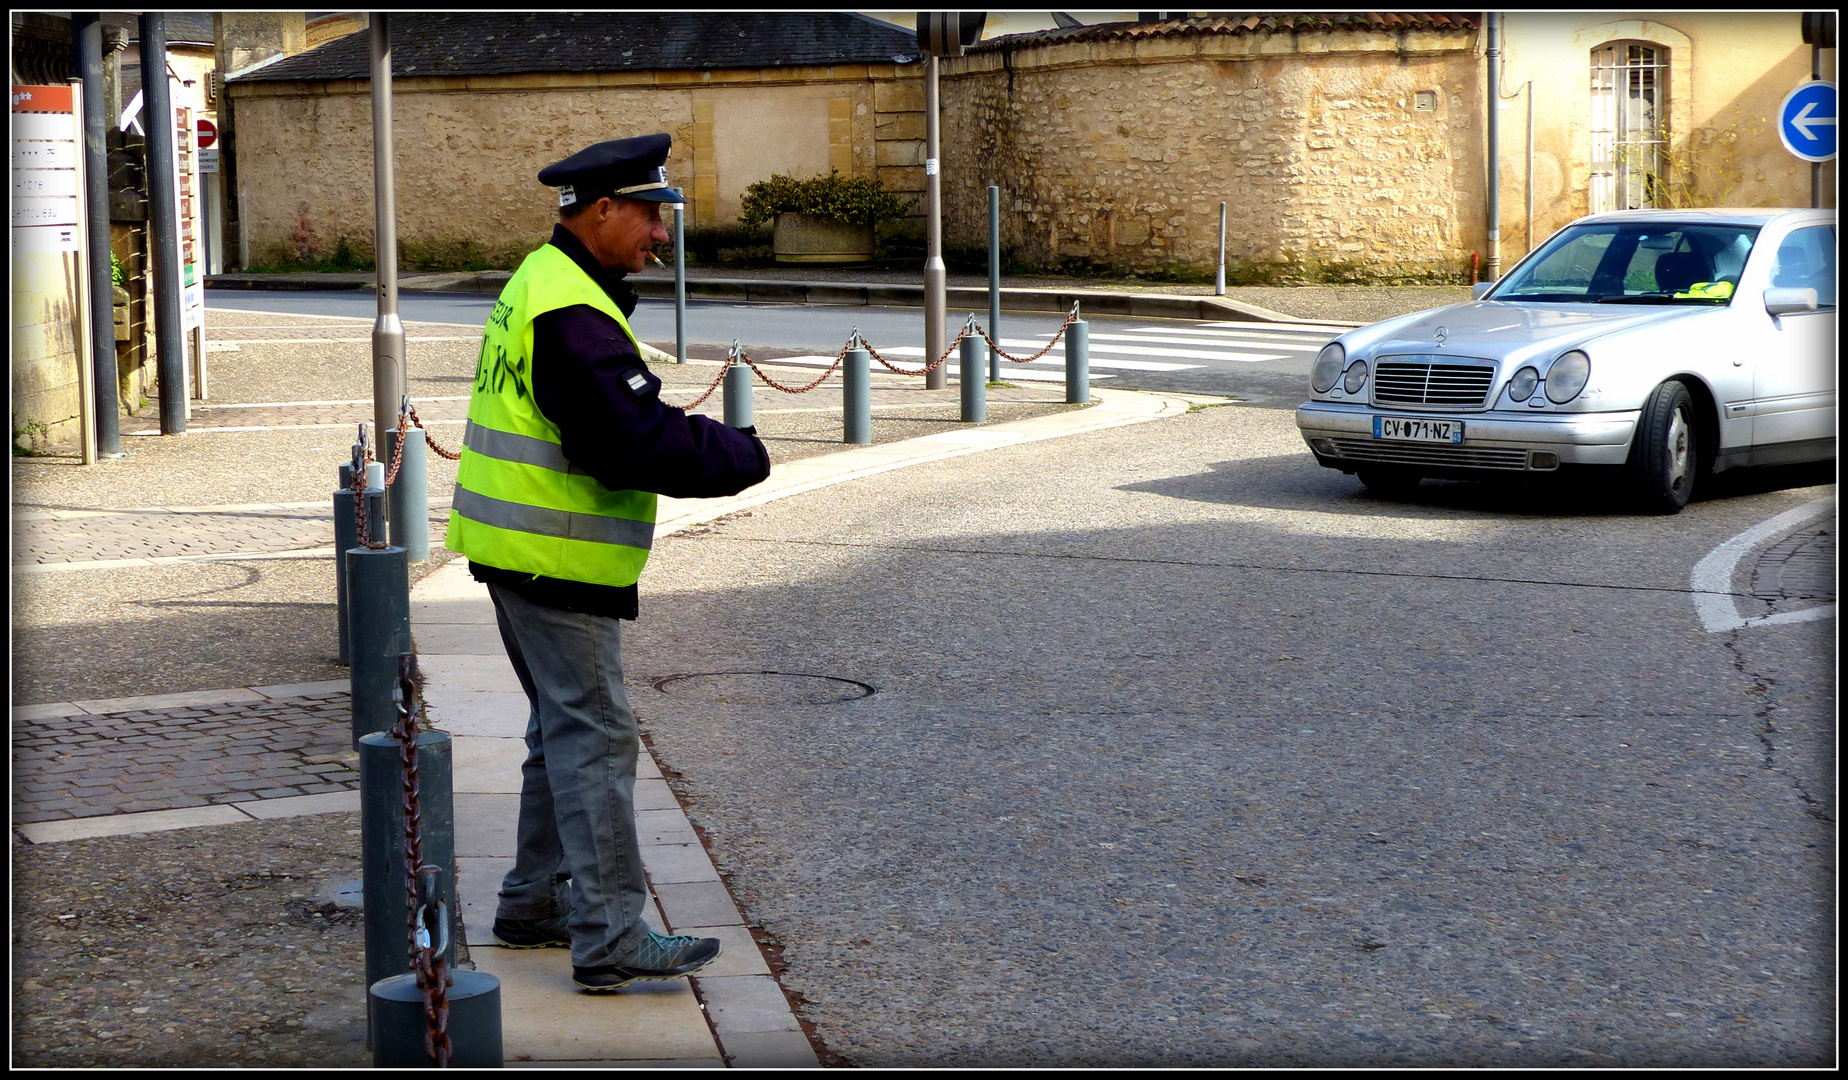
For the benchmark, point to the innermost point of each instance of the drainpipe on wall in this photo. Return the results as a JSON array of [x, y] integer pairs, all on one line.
[[1492, 266]]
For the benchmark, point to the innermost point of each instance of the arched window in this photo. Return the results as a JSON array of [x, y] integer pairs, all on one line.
[[1629, 124]]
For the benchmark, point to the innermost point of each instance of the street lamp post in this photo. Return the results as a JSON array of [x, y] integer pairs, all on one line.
[[935, 299]]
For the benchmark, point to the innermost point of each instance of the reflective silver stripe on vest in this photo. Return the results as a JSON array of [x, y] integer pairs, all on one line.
[[522, 449], [520, 517]]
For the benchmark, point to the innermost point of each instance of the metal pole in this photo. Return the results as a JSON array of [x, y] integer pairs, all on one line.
[[857, 395], [1492, 266], [1530, 165], [86, 272], [1077, 362], [409, 509], [379, 605], [680, 281], [87, 31], [169, 339], [935, 299], [388, 330], [346, 537], [974, 389], [1816, 166], [994, 279], [1219, 279]]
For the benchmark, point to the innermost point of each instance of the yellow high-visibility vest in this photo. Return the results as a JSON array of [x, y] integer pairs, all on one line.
[[519, 505]]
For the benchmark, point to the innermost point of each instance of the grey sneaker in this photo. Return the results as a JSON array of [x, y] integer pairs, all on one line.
[[661, 956], [552, 933]]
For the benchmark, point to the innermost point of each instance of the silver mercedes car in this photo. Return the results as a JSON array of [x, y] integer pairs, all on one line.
[[1648, 347]]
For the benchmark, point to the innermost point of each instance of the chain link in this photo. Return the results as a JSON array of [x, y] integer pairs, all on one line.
[[433, 976], [970, 327], [411, 410]]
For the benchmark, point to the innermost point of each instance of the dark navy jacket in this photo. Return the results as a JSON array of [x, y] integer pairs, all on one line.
[[583, 366]]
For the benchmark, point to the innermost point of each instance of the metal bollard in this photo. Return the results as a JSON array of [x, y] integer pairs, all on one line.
[[409, 506], [381, 829], [857, 395], [994, 279], [1077, 362], [398, 1025], [738, 396], [346, 535], [680, 281], [974, 380], [379, 603]]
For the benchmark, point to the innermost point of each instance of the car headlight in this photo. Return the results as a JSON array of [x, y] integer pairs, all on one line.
[[1327, 369], [1356, 377], [1567, 377], [1521, 387]]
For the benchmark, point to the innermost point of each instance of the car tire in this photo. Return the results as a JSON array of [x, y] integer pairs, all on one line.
[[1664, 454], [1386, 480]]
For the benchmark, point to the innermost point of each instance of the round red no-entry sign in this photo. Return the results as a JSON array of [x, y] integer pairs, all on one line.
[[208, 134]]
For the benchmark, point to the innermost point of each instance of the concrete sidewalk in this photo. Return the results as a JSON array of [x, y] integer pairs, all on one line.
[[735, 1012]]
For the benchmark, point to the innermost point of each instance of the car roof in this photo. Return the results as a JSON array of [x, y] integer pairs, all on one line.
[[1718, 215]]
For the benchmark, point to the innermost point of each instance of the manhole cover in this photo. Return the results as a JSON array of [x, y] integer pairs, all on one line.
[[762, 688]]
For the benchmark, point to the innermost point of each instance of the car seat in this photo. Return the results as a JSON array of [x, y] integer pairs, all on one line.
[[1677, 270]]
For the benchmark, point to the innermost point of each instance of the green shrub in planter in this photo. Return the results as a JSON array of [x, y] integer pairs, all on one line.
[[850, 200]]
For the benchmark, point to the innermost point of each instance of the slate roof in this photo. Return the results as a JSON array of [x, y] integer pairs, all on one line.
[[455, 44], [1239, 23], [183, 27]]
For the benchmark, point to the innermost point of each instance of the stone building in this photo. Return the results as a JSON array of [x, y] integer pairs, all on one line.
[[1353, 146], [1345, 146], [483, 101]]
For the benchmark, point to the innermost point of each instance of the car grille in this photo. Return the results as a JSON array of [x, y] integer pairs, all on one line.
[[1398, 453], [1411, 380]]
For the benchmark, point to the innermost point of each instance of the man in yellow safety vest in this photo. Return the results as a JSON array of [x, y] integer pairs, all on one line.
[[567, 445]]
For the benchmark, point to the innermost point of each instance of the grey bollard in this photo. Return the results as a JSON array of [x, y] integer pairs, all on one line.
[[381, 828], [1077, 362], [398, 1025], [409, 505], [738, 396], [379, 605], [346, 535], [974, 376], [857, 397], [994, 279]]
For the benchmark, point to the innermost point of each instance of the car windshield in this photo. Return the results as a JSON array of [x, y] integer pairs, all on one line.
[[1633, 262]]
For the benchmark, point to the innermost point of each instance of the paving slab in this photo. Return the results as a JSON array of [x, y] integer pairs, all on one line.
[[474, 712], [545, 1017], [486, 765], [769, 1050]]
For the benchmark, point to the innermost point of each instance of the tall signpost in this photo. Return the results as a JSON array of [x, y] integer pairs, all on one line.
[[1806, 122], [388, 331], [163, 214], [940, 33]]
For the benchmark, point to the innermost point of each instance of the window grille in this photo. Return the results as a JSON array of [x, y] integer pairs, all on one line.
[[1629, 109]]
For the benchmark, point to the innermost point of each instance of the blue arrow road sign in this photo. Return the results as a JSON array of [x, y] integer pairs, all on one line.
[[1806, 121]]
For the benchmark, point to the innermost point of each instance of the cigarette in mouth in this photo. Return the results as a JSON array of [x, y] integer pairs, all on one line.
[[657, 260]]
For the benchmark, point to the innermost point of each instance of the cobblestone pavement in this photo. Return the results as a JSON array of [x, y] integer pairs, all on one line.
[[1800, 567], [165, 759]]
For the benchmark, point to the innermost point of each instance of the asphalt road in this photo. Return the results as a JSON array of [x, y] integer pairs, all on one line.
[[1251, 361], [1187, 752]]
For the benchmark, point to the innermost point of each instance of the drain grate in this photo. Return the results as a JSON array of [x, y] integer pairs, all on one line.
[[762, 688]]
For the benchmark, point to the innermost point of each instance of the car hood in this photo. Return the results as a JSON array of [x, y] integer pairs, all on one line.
[[1496, 330]]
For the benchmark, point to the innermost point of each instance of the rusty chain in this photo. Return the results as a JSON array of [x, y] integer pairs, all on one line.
[[1011, 358], [411, 411], [362, 456], [421, 882]]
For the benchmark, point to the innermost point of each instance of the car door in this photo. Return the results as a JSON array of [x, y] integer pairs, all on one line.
[[1794, 377]]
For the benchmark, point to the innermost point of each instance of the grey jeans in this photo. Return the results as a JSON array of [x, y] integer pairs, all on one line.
[[577, 786]]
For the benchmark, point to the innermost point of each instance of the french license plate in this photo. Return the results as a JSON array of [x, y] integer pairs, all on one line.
[[1411, 429]]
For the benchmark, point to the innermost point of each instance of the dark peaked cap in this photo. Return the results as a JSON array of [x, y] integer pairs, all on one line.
[[631, 168]]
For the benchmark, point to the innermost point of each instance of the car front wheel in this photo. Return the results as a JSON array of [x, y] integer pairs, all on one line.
[[1664, 458]]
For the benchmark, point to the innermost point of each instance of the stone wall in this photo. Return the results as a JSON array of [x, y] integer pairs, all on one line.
[[469, 149], [1117, 154]]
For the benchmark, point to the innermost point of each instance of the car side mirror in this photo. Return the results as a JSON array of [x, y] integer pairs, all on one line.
[[1789, 301], [1477, 290]]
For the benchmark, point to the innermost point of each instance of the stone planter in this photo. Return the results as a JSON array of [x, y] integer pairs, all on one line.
[[804, 238]]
